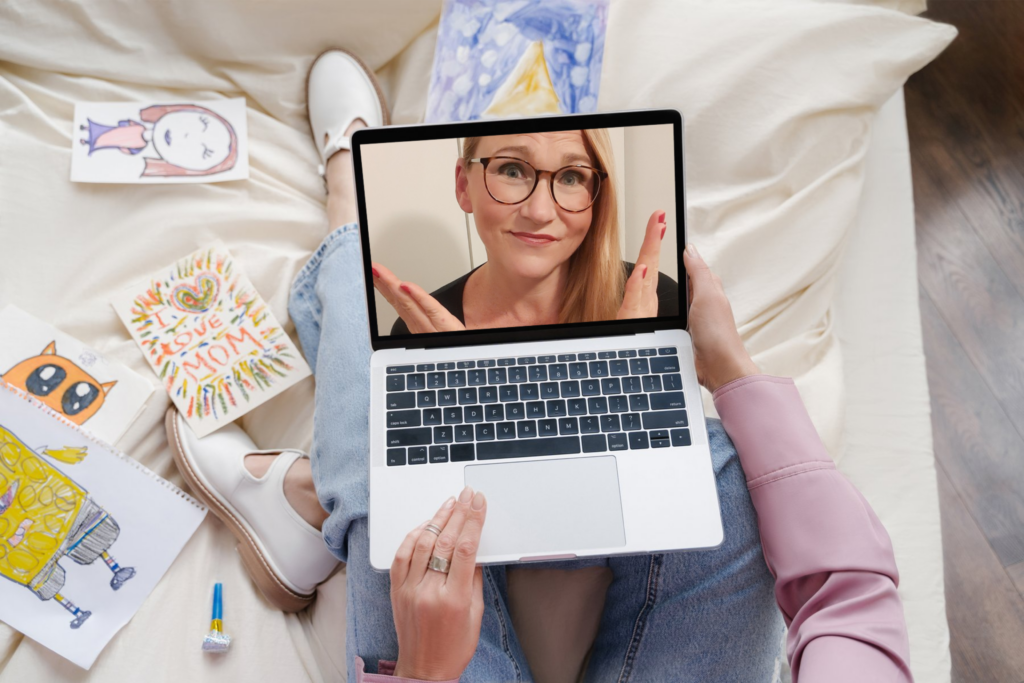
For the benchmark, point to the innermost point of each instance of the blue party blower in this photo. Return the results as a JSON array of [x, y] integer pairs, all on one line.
[[216, 640]]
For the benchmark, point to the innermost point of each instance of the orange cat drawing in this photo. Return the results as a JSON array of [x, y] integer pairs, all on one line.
[[60, 384]]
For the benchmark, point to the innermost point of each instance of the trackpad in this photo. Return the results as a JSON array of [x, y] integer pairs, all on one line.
[[549, 506]]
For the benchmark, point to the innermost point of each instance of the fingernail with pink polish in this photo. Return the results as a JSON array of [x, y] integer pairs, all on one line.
[[643, 275], [663, 232], [405, 288], [375, 272], [661, 217]]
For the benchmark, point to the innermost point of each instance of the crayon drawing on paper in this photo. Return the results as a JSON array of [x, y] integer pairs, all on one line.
[[501, 58]]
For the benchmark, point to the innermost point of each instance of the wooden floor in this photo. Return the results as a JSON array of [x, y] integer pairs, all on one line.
[[965, 115]]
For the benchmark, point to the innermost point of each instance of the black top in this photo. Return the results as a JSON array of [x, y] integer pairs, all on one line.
[[450, 296]]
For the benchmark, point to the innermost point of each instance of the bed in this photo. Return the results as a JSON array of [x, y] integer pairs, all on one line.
[[65, 248]]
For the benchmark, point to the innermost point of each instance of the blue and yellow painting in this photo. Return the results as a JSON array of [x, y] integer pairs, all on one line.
[[499, 58]]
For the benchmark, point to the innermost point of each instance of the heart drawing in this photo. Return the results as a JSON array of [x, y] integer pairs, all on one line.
[[198, 296]]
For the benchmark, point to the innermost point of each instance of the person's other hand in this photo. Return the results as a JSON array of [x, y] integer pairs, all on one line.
[[641, 297], [420, 311], [717, 347], [437, 616]]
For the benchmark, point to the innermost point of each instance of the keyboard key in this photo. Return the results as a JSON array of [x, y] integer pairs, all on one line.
[[627, 354], [618, 404], [403, 418], [494, 413], [639, 366], [556, 408], [652, 383], [505, 430], [659, 438], [527, 429], [396, 456], [515, 411], [416, 381], [618, 441], [647, 352], [680, 437], [673, 382], [396, 383], [591, 387], [665, 364], [587, 356], [590, 424], [577, 370], [462, 452], [418, 455], [570, 388], [509, 392], [419, 436], [438, 454], [558, 371], [606, 354], [457, 378], [452, 416], [547, 428], [517, 374], [594, 443], [665, 419], [489, 363], [425, 367], [426, 399], [562, 445], [566, 357], [599, 368], [473, 413], [463, 364], [545, 359], [538, 373], [549, 390], [611, 386], [431, 417], [631, 422], [568, 426], [667, 400], [399, 401], [526, 360], [631, 385], [446, 366], [638, 440], [399, 369], [435, 380], [485, 432], [502, 362], [535, 410], [443, 434], [597, 405], [463, 433], [496, 376], [667, 351], [577, 406], [488, 394], [529, 392], [477, 377], [610, 423], [619, 367], [638, 403], [467, 396], [447, 397]]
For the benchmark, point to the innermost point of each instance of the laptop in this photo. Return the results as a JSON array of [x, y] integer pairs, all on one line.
[[588, 438]]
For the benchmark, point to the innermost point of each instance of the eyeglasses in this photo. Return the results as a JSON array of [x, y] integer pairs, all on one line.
[[511, 181]]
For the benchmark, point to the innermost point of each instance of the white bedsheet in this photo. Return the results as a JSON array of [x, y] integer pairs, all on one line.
[[64, 248]]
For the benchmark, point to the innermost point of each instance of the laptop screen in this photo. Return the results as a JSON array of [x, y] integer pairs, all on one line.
[[521, 229]]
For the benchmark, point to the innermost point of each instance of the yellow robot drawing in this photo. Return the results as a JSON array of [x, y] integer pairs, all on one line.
[[45, 516]]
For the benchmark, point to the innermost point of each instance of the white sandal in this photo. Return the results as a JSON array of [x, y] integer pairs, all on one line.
[[340, 88]]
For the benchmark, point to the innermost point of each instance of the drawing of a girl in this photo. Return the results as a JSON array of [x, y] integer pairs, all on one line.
[[190, 140]]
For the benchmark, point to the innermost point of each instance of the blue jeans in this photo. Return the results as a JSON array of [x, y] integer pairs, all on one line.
[[690, 616]]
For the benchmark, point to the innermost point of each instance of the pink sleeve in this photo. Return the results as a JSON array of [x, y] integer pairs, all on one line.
[[385, 674], [835, 574]]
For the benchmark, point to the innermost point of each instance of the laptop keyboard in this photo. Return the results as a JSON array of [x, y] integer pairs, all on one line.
[[533, 406]]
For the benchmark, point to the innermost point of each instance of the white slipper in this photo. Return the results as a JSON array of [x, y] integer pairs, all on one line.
[[339, 90], [284, 555]]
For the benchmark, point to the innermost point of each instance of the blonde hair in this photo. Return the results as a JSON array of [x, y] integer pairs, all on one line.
[[597, 276]]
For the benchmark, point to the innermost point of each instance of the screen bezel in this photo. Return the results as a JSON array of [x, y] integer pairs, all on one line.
[[649, 117]]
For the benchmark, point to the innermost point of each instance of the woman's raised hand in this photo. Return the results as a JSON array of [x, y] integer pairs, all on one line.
[[641, 297], [420, 311], [437, 616]]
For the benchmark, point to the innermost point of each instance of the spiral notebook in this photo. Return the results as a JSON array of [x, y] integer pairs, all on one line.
[[86, 532]]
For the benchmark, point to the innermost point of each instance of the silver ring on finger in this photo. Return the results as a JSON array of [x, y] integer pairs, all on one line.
[[439, 564], [434, 529]]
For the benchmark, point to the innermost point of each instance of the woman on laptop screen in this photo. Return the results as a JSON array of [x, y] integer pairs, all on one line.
[[546, 211]]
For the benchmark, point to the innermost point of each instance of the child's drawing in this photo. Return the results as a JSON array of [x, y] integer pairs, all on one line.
[[45, 516], [60, 384], [210, 338], [196, 142], [500, 58]]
